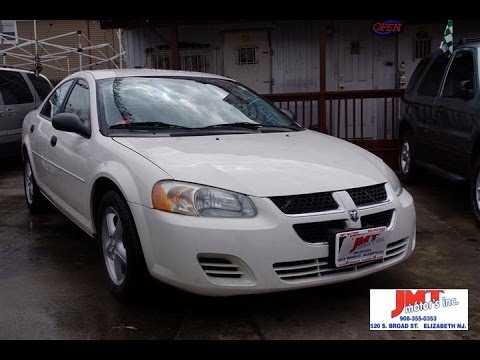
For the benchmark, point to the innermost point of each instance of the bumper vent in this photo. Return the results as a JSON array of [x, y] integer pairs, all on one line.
[[317, 231], [383, 218], [306, 203], [368, 195], [220, 268], [299, 271]]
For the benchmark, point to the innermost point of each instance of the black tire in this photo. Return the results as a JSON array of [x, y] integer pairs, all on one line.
[[474, 192], [36, 202], [408, 173], [125, 247]]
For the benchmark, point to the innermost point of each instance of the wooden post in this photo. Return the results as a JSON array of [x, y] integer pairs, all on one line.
[[174, 51], [322, 102]]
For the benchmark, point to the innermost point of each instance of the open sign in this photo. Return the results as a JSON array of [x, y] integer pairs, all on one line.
[[387, 27]]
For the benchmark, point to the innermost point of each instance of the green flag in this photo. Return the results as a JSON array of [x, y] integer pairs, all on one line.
[[447, 40]]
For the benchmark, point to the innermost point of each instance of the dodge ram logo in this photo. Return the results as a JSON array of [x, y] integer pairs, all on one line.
[[353, 215]]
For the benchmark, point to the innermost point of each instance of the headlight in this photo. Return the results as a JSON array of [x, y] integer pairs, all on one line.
[[393, 180], [197, 200]]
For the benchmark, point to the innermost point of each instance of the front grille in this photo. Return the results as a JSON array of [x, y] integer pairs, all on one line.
[[220, 268], [317, 231], [383, 218], [368, 195], [306, 203], [311, 269]]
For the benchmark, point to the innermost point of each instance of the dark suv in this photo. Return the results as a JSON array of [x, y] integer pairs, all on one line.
[[440, 119], [20, 92]]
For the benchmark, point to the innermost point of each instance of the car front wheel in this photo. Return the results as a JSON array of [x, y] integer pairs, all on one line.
[[123, 261], [475, 190], [35, 201], [408, 169]]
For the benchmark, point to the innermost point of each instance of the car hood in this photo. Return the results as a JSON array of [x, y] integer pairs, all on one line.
[[262, 164]]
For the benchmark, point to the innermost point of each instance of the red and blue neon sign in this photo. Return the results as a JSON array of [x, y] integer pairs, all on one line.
[[387, 27]]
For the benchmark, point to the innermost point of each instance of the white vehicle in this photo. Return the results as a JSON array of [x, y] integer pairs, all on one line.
[[203, 184]]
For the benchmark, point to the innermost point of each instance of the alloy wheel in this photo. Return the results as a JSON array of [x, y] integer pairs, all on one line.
[[477, 189], [114, 252], [405, 157], [28, 182]]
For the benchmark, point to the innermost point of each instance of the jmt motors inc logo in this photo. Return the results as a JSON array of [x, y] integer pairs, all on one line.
[[419, 309]]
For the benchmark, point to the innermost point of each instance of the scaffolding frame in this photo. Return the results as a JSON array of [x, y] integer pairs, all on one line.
[[52, 59]]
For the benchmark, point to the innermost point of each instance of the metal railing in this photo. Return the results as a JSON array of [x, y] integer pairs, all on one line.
[[350, 115], [367, 118]]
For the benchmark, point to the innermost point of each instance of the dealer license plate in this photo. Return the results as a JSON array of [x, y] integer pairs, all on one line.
[[359, 246]]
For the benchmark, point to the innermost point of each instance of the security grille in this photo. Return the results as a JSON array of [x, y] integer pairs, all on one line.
[[422, 48], [202, 59], [246, 56]]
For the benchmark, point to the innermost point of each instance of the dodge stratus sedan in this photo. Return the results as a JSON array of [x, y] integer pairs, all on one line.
[[201, 183]]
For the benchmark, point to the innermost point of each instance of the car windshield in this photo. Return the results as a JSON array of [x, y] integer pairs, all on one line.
[[185, 103]]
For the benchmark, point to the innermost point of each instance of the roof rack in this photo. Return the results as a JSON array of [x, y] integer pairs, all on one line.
[[469, 40]]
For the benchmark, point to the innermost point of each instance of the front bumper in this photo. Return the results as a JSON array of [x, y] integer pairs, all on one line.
[[179, 249]]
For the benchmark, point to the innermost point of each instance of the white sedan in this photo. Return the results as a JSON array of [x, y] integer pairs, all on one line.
[[201, 183]]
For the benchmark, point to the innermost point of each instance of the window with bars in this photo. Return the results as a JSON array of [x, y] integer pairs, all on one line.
[[191, 59], [246, 56], [194, 62], [8, 28], [422, 47]]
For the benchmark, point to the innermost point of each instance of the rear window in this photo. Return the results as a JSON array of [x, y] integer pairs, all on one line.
[[42, 86], [14, 88], [416, 75]]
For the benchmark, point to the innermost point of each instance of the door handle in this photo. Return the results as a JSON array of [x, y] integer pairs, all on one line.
[[53, 141], [439, 110], [9, 111], [415, 106]]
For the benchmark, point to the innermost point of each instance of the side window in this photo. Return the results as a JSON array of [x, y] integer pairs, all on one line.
[[461, 73], [416, 75], [14, 88], [433, 77], [41, 85], [54, 103], [79, 100]]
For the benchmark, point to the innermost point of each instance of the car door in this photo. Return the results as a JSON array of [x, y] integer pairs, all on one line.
[[454, 111], [71, 154], [41, 132], [426, 129], [17, 102]]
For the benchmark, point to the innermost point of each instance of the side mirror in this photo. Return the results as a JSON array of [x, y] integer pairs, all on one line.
[[71, 122], [466, 89], [289, 113]]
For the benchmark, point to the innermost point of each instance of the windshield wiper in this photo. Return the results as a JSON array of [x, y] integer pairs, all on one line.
[[249, 125], [147, 125]]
